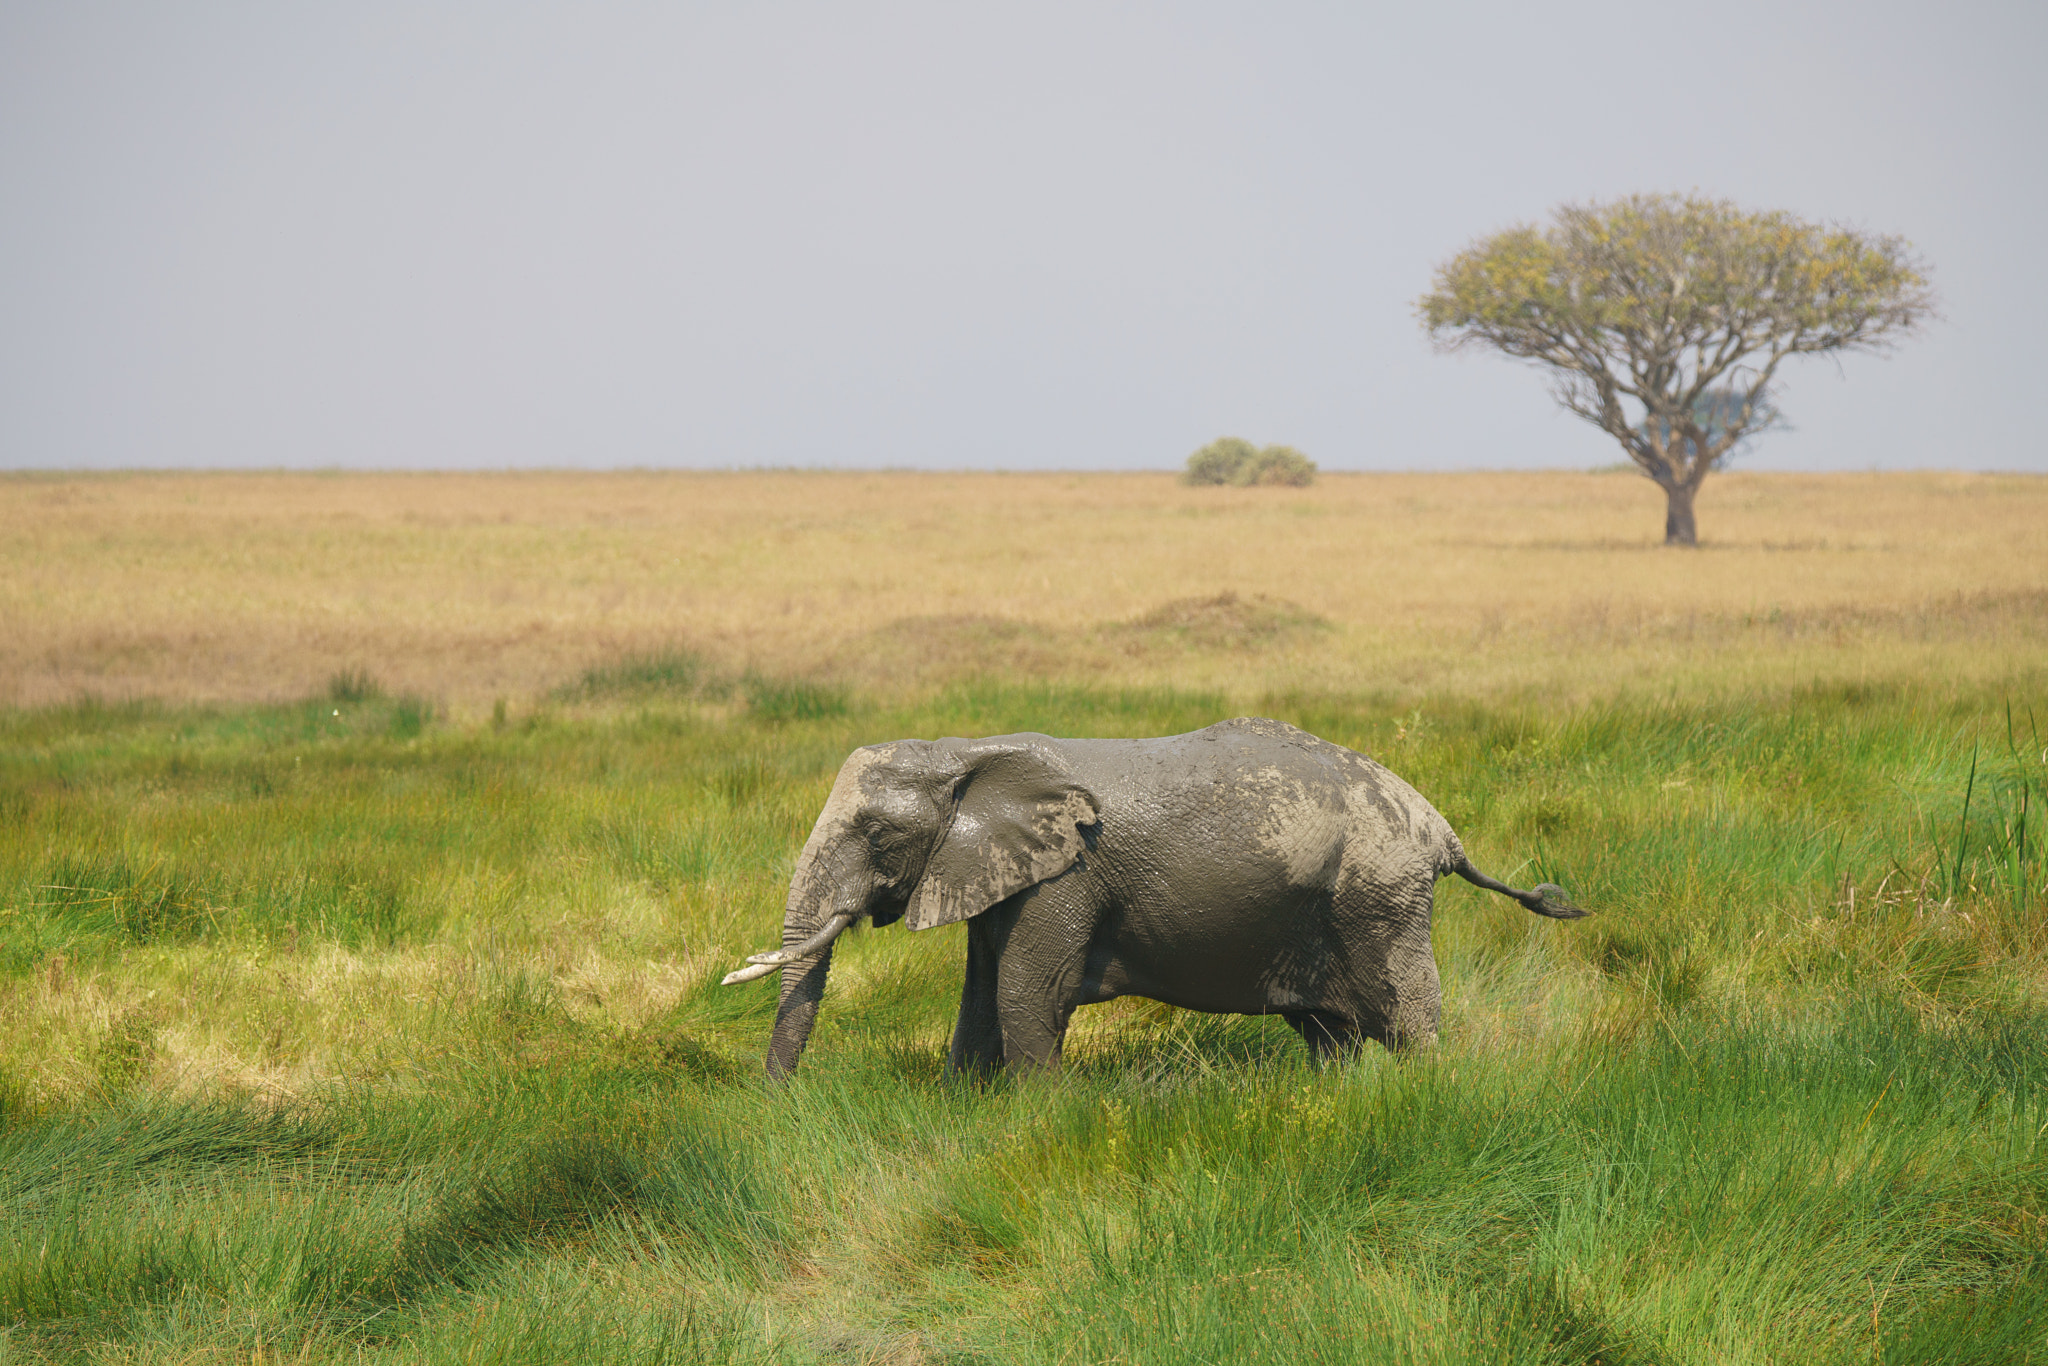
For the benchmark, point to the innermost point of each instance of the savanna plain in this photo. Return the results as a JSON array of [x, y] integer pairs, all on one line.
[[371, 847]]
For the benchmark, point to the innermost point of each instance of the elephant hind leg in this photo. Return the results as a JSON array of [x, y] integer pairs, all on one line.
[[1415, 995], [1327, 1034], [1404, 1041]]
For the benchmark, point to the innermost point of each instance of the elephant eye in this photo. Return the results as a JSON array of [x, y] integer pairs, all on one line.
[[888, 849]]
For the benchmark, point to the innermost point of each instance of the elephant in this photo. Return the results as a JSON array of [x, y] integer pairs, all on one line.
[[1248, 868]]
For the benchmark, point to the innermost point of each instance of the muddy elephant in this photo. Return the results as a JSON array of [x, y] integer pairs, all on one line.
[[1249, 868]]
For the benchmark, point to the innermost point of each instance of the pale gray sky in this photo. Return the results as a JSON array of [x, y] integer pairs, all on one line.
[[944, 235]]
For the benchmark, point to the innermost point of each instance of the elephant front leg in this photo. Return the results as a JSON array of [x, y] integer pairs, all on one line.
[[1034, 1024], [1039, 966], [978, 1036]]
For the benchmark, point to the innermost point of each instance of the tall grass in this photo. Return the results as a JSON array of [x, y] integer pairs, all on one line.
[[329, 1032]]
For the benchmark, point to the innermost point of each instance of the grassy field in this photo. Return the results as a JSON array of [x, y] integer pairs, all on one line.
[[466, 589], [359, 946]]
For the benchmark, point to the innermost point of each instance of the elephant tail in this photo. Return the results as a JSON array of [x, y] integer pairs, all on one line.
[[1545, 898]]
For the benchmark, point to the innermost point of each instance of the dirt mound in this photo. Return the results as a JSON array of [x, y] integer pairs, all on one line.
[[1224, 622]]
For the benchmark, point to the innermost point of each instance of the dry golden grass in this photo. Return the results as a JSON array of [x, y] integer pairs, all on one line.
[[472, 587]]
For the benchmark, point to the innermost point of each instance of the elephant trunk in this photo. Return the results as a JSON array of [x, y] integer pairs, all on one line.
[[805, 960], [803, 986], [828, 892]]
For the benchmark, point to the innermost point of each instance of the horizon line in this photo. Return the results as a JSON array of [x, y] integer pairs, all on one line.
[[331, 471]]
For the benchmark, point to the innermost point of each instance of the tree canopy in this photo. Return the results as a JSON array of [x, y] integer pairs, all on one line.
[[1664, 318]]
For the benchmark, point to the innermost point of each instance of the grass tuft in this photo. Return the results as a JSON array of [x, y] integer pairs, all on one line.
[[673, 672], [354, 685], [778, 700]]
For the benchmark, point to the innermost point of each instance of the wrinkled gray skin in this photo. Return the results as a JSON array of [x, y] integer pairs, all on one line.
[[1248, 868]]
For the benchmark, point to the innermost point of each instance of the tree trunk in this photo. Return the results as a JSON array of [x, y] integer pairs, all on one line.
[[1678, 523]]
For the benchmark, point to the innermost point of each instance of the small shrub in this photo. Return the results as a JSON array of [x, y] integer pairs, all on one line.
[[1233, 460], [1222, 461], [1281, 465]]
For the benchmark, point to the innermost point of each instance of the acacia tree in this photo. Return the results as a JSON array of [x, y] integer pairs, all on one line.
[[1664, 318]]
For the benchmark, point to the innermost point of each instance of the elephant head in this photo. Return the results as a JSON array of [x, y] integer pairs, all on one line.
[[924, 831]]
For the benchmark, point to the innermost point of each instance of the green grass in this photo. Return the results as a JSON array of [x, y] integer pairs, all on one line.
[[334, 1031]]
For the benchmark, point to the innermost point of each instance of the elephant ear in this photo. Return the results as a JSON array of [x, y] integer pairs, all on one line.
[[1017, 820]]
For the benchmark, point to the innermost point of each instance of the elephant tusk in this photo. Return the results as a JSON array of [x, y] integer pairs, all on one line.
[[765, 963], [810, 946]]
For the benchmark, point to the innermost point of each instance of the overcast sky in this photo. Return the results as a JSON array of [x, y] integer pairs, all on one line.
[[949, 235]]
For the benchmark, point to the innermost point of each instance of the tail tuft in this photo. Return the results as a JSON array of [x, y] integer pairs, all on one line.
[[1547, 898]]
